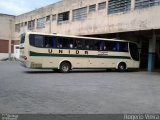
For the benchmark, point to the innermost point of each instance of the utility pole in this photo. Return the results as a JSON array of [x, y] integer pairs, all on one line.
[[10, 40]]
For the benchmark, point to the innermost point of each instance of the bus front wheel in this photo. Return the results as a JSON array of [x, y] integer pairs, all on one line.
[[121, 67], [65, 67]]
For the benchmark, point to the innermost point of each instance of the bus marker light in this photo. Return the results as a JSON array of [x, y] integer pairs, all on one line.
[[25, 58]]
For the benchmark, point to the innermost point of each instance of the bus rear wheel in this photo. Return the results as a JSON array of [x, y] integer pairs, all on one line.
[[65, 67], [121, 67]]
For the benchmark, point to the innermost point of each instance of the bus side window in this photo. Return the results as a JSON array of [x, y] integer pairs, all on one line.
[[54, 42], [48, 41], [39, 41], [78, 44], [71, 46], [92, 45], [47, 45], [64, 42], [114, 46], [110, 46], [71, 43], [117, 47], [59, 42], [124, 47], [87, 45], [32, 40], [96, 45], [106, 46], [102, 46]]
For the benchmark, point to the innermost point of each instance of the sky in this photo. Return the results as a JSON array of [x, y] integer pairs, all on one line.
[[17, 7]]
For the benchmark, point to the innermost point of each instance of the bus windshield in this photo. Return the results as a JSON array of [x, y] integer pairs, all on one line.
[[134, 51]]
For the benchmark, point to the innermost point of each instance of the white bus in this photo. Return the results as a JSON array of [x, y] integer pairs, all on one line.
[[64, 52]]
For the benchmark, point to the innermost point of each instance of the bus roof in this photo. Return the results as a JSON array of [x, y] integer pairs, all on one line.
[[74, 36]]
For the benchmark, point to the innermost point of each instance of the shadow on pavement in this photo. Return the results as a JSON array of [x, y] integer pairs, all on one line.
[[77, 71]]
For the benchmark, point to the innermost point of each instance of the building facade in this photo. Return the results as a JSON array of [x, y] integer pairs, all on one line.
[[135, 20], [6, 34]]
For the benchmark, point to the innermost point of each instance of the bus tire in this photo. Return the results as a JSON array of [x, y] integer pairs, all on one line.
[[122, 67], [65, 67]]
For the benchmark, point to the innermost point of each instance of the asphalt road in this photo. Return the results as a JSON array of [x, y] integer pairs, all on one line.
[[44, 91]]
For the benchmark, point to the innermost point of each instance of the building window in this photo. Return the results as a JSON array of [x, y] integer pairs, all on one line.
[[101, 5], [92, 8], [22, 24], [115, 6], [31, 24], [80, 14], [63, 17], [41, 23], [25, 24], [48, 18], [139, 4], [54, 17], [17, 27]]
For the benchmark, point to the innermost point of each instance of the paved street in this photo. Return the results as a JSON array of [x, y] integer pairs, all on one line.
[[44, 91]]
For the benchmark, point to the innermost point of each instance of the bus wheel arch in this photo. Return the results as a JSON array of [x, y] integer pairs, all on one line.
[[65, 66], [122, 66]]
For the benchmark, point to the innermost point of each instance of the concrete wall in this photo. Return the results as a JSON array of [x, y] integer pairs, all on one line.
[[6, 34], [7, 27], [98, 22]]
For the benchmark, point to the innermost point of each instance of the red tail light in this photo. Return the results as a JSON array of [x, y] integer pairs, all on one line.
[[25, 58]]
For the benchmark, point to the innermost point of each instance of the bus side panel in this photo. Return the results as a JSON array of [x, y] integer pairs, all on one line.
[[56, 61]]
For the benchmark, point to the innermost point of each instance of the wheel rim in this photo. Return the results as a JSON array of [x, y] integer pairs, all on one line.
[[65, 68], [121, 67]]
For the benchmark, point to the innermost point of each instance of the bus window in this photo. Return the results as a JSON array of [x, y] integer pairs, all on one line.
[[124, 47], [39, 41], [59, 42], [36, 40], [31, 40], [96, 45], [48, 41], [102, 45], [92, 45], [110, 45], [87, 45], [65, 43], [78, 44], [54, 42], [121, 47], [71, 43], [117, 47]]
